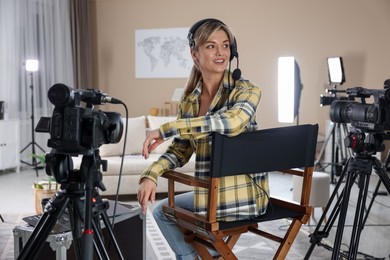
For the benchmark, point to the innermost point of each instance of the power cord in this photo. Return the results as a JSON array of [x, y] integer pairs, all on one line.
[[121, 166]]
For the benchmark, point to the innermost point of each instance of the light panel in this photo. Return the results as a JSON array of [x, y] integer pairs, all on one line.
[[32, 65], [286, 89], [336, 70]]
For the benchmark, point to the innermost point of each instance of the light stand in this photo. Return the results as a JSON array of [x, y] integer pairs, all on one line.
[[339, 131], [32, 66]]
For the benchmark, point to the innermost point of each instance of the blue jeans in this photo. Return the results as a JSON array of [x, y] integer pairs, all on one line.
[[171, 231]]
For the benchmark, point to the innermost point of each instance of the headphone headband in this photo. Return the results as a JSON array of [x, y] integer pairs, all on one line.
[[191, 32]]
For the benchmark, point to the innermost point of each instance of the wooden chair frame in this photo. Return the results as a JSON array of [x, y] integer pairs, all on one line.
[[287, 149]]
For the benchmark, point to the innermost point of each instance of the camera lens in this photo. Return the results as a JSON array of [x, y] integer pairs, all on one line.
[[60, 95], [349, 111]]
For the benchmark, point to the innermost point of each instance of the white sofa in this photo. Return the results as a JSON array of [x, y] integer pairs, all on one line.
[[134, 163]]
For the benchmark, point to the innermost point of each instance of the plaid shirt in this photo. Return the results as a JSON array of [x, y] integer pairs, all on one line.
[[232, 112]]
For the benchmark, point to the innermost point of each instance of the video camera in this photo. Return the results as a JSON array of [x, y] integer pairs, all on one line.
[[79, 130], [368, 117]]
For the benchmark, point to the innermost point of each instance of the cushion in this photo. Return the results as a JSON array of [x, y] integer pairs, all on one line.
[[155, 122], [136, 134]]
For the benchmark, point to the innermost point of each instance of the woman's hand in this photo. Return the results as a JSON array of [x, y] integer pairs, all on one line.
[[146, 192], [152, 140]]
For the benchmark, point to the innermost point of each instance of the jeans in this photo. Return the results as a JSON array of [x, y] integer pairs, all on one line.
[[171, 231]]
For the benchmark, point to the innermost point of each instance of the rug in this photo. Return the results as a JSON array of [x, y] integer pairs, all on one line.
[[156, 246], [6, 235], [248, 247]]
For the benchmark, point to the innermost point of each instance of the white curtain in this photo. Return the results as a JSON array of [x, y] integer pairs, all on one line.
[[33, 29]]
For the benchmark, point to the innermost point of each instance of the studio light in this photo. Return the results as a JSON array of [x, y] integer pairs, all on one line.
[[289, 89], [32, 65], [336, 70]]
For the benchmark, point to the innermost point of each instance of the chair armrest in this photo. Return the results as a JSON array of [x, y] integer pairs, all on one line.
[[190, 220], [290, 205], [186, 179]]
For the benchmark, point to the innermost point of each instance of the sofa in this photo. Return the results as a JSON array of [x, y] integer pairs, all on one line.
[[134, 163]]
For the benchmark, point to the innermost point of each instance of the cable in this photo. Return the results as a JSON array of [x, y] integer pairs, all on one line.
[[121, 166], [264, 191]]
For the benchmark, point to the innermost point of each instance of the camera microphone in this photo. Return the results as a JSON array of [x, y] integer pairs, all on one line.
[[111, 100], [62, 95], [97, 97]]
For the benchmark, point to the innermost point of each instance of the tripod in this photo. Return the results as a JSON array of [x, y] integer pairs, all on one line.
[[70, 197], [359, 166], [34, 162], [339, 152]]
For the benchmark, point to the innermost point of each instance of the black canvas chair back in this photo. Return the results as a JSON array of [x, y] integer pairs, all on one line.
[[290, 150]]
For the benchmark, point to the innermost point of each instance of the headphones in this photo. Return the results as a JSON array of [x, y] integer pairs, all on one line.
[[191, 41]]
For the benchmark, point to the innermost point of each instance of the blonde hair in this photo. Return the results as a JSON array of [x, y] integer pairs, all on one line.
[[200, 36]]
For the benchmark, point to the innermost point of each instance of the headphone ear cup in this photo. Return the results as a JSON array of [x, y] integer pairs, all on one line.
[[192, 44], [233, 49]]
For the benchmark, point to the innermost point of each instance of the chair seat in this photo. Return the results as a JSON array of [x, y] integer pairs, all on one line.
[[273, 212]]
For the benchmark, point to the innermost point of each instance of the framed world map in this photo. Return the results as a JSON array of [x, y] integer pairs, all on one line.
[[162, 53]]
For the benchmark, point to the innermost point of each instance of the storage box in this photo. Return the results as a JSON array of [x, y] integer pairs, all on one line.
[[129, 230], [55, 248]]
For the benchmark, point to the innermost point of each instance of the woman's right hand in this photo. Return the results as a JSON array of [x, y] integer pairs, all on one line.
[[152, 140], [146, 192]]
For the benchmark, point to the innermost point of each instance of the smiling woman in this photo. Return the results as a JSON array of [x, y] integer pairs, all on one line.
[[215, 100]]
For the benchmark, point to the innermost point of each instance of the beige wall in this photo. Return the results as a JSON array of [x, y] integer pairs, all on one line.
[[357, 30]]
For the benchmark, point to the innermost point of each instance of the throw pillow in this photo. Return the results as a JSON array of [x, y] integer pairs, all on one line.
[[136, 134], [156, 122]]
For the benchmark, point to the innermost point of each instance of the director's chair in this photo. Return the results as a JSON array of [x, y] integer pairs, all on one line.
[[287, 149]]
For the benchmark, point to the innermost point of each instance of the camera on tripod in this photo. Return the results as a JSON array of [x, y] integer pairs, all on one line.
[[367, 117], [79, 130]]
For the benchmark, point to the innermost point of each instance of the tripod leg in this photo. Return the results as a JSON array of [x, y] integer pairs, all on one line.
[[88, 230], [111, 233], [364, 182], [98, 242], [75, 218], [343, 213], [317, 235], [375, 193], [382, 174], [54, 210]]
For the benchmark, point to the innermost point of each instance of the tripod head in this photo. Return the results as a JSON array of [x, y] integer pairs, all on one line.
[[60, 166], [366, 144]]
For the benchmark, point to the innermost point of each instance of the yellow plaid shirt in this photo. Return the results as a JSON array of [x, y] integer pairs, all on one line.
[[232, 112]]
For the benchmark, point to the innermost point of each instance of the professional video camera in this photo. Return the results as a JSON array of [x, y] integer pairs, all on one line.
[[77, 130], [367, 117]]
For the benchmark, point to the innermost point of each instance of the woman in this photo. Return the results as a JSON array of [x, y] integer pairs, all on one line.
[[214, 101]]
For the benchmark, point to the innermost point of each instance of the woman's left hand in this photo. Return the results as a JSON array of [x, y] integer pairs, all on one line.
[[153, 139]]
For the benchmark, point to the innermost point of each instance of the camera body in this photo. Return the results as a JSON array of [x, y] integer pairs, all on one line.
[[75, 129], [367, 117]]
